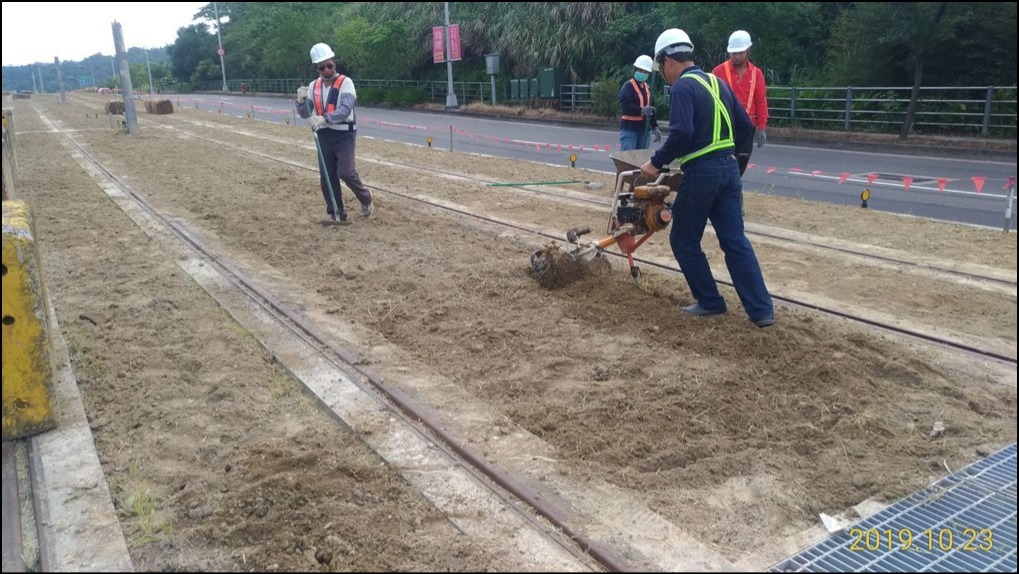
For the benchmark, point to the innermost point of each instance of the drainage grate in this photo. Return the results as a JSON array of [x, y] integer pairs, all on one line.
[[964, 523]]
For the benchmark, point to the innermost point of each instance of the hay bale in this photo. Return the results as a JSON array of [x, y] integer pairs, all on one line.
[[159, 107], [115, 108]]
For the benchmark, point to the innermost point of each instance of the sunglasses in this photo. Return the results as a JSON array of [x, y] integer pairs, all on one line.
[[324, 67]]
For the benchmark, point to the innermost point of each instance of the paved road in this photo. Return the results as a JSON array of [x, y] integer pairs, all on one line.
[[808, 172]]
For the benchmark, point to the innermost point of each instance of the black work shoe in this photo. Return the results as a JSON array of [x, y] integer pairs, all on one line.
[[764, 323], [699, 311]]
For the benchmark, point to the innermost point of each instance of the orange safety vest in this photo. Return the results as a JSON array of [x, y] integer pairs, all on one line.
[[752, 70], [330, 106], [643, 97]]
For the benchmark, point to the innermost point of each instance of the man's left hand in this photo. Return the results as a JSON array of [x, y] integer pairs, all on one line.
[[762, 138], [658, 135], [650, 172], [316, 122]]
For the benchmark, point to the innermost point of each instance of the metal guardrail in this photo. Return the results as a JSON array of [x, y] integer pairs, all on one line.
[[985, 111]]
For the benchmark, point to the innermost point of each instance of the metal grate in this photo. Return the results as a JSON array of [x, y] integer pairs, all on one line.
[[963, 523]]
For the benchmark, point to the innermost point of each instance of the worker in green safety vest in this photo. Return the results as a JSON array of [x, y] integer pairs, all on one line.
[[705, 127]]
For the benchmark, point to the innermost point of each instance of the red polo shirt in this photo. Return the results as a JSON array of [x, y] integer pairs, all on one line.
[[752, 81]]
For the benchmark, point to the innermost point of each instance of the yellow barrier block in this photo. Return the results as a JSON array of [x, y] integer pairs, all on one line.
[[27, 369]]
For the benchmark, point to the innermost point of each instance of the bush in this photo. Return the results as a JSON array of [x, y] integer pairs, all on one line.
[[371, 96], [605, 97], [407, 97]]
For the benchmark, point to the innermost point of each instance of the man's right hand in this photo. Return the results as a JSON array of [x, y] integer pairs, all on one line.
[[302, 94], [647, 111]]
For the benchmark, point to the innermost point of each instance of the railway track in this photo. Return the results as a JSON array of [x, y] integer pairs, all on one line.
[[673, 269], [607, 557], [596, 202]]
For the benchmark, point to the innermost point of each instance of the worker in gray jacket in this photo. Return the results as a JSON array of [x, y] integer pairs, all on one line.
[[331, 116]]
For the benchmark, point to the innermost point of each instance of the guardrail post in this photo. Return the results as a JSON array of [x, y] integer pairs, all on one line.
[[849, 107], [792, 104], [1009, 210], [986, 129]]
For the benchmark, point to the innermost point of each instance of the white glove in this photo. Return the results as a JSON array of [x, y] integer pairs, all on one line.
[[762, 138], [302, 94], [647, 111], [658, 135], [316, 122]]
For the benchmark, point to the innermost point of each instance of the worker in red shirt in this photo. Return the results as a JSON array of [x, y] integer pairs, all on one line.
[[747, 83]]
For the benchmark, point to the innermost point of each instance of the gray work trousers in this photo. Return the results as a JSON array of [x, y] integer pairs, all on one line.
[[338, 149]]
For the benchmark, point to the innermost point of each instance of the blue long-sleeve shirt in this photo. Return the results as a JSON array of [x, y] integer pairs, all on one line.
[[629, 101], [692, 121]]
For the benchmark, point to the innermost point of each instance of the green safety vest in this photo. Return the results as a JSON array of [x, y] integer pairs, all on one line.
[[721, 113]]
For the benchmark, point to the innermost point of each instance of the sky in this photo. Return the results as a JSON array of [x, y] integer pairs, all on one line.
[[40, 31]]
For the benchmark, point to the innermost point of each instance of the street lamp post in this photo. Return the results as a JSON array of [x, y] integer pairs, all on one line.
[[451, 102], [222, 62], [149, 66]]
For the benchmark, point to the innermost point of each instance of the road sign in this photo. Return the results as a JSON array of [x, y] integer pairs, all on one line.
[[220, 52]]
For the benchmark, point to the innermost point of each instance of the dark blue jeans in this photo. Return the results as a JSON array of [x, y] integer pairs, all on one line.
[[711, 190], [629, 140], [339, 149]]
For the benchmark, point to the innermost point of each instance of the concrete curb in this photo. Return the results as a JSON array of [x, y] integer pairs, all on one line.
[[77, 520]]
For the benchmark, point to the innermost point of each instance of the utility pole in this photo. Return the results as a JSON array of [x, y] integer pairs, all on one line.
[[60, 80], [222, 62], [113, 66], [35, 86], [149, 66], [130, 114], [42, 84], [451, 102]]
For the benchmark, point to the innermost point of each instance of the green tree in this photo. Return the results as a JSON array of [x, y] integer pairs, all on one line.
[[194, 45], [376, 50], [897, 35]]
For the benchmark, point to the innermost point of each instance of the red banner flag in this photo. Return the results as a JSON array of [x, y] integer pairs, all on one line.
[[438, 47], [871, 178], [979, 183], [844, 177], [908, 182], [772, 170], [816, 173], [751, 166], [1009, 183], [942, 184], [455, 55], [795, 169]]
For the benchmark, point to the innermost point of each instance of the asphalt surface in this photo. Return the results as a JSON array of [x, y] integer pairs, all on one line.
[[809, 171]]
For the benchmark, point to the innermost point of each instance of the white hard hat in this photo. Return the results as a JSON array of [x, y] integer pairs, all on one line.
[[739, 41], [321, 53], [671, 41], [644, 63]]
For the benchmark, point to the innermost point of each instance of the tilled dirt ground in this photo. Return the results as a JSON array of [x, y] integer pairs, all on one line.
[[215, 458], [736, 435]]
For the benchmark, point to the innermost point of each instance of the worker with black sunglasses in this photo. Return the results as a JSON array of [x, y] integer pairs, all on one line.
[[330, 113]]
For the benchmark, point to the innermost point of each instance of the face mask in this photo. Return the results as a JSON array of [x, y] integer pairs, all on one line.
[[640, 77]]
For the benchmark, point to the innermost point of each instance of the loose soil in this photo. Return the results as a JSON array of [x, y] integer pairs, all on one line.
[[215, 458], [736, 435]]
